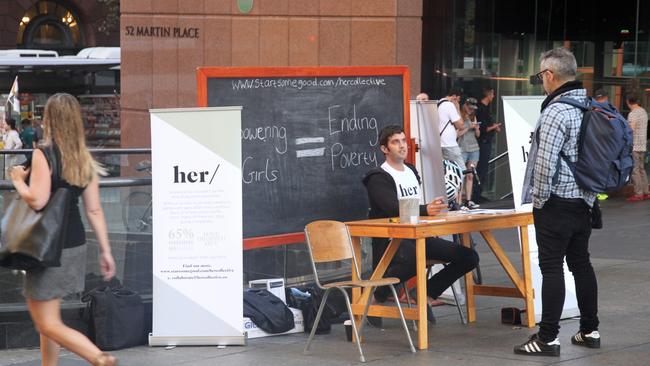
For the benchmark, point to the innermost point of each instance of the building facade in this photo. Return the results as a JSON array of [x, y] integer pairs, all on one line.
[[159, 66]]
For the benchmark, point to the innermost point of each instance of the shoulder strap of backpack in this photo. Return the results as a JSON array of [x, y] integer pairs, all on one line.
[[584, 108], [448, 122], [574, 103], [569, 163], [444, 128]]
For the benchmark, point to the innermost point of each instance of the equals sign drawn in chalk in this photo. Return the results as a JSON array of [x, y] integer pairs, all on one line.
[[306, 153]]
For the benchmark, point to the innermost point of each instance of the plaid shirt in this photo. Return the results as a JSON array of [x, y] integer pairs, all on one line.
[[559, 126]]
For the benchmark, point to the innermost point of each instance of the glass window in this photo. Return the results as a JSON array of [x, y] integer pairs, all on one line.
[[49, 25], [48, 34]]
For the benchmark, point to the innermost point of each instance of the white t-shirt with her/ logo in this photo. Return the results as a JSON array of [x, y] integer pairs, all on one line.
[[447, 112], [405, 181]]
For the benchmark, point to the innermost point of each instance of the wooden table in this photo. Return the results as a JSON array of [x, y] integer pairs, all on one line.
[[445, 224]]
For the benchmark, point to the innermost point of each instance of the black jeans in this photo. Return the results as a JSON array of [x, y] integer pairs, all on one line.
[[562, 229], [460, 261]]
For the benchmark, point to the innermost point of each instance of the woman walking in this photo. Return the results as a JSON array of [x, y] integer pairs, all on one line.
[[44, 288]]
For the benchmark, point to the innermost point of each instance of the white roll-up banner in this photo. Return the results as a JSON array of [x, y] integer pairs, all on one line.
[[521, 114], [424, 129], [197, 226]]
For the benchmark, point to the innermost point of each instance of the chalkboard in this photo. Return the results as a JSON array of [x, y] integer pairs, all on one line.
[[309, 135]]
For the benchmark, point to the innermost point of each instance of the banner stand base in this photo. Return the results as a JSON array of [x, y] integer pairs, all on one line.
[[163, 341]]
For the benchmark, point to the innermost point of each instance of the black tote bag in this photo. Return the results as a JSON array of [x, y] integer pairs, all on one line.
[[115, 317], [34, 239]]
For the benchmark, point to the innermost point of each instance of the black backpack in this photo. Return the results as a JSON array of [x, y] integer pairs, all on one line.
[[309, 307], [267, 311]]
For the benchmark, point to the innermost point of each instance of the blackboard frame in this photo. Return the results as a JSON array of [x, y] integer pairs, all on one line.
[[205, 73]]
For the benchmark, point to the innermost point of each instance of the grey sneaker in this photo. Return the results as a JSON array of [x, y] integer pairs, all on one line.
[[590, 340]]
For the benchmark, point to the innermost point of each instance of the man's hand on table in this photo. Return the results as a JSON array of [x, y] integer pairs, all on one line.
[[436, 206]]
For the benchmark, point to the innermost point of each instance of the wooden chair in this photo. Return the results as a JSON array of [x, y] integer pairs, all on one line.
[[329, 241]]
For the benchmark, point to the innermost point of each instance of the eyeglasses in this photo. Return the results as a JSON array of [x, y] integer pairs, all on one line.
[[537, 78]]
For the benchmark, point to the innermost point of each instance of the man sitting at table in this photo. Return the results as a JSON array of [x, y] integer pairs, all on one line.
[[395, 179]]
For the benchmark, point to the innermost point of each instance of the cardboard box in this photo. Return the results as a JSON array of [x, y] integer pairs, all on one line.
[[273, 285], [253, 331]]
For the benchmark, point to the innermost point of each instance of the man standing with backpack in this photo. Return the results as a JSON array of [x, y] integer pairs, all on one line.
[[638, 118], [561, 208]]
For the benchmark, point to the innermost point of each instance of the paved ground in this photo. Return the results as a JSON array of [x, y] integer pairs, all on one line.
[[621, 257]]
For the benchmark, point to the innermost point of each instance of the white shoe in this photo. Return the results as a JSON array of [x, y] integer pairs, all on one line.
[[471, 205]]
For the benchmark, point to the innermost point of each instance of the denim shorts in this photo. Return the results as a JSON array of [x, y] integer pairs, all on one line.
[[471, 156]]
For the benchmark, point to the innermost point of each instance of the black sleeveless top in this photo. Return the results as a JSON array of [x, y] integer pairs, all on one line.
[[75, 234]]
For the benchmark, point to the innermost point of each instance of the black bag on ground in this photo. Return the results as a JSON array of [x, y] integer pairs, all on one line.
[[309, 307], [511, 316], [115, 317], [267, 311]]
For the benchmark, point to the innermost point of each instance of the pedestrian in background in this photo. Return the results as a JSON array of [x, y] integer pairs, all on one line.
[[469, 146], [11, 141], [27, 134], [489, 128], [78, 172], [638, 119], [11, 138], [601, 96], [449, 121], [38, 131]]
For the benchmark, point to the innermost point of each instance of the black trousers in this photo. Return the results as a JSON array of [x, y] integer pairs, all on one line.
[[562, 229], [485, 154], [403, 266]]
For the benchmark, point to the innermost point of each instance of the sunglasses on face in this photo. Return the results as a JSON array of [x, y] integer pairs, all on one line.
[[537, 78]]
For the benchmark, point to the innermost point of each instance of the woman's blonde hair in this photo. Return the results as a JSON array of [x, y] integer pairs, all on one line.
[[64, 127]]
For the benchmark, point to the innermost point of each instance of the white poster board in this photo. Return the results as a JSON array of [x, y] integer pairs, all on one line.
[[428, 162], [197, 226], [520, 114], [428, 157]]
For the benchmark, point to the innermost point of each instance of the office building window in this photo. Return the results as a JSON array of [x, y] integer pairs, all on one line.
[[50, 25]]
